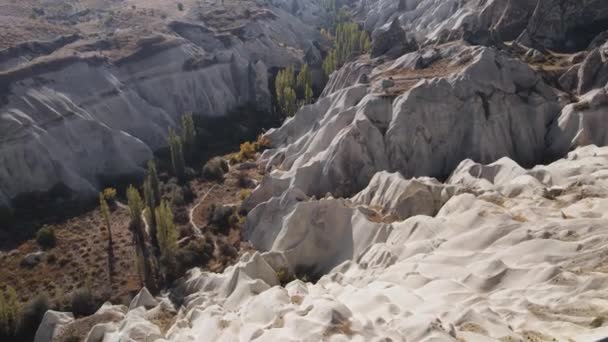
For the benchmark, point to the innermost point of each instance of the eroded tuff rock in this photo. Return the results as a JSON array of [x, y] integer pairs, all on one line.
[[553, 24], [83, 108], [446, 104], [444, 278]]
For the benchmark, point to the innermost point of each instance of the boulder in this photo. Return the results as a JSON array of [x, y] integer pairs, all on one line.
[[32, 259], [143, 299], [52, 325], [391, 40], [580, 124]]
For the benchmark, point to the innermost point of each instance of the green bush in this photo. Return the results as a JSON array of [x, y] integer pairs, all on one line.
[[215, 169], [32, 315], [46, 237], [196, 253], [83, 303], [219, 218]]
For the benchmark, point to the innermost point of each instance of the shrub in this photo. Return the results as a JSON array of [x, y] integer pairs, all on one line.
[[197, 252], [284, 276], [248, 150], [46, 237], [242, 181], [32, 314], [219, 217], [109, 194], [83, 303], [180, 6], [244, 194], [51, 259], [215, 169]]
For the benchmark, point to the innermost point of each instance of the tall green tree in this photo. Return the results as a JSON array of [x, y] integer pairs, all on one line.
[[136, 206], [9, 313], [167, 236], [350, 41], [152, 198], [177, 156], [304, 80], [105, 213], [308, 95], [145, 261], [154, 184], [188, 135]]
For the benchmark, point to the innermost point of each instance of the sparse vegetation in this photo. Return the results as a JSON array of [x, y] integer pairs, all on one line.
[[46, 237]]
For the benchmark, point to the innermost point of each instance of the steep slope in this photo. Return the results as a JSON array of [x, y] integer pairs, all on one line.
[[97, 105]]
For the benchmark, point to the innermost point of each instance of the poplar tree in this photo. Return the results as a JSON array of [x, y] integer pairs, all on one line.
[[167, 236], [177, 156], [9, 312], [188, 135], [105, 213], [136, 206]]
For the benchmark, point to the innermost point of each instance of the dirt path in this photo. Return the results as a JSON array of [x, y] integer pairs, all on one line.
[[197, 229]]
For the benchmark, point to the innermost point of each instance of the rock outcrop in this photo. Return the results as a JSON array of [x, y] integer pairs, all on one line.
[[445, 277], [554, 24], [445, 105]]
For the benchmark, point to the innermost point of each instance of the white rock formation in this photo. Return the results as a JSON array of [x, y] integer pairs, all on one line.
[[486, 267], [52, 324], [447, 104], [551, 24]]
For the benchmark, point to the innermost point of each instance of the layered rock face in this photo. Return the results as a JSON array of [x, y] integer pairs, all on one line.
[[83, 107]]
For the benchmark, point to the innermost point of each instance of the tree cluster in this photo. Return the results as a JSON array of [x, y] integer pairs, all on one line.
[[350, 41], [293, 91]]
